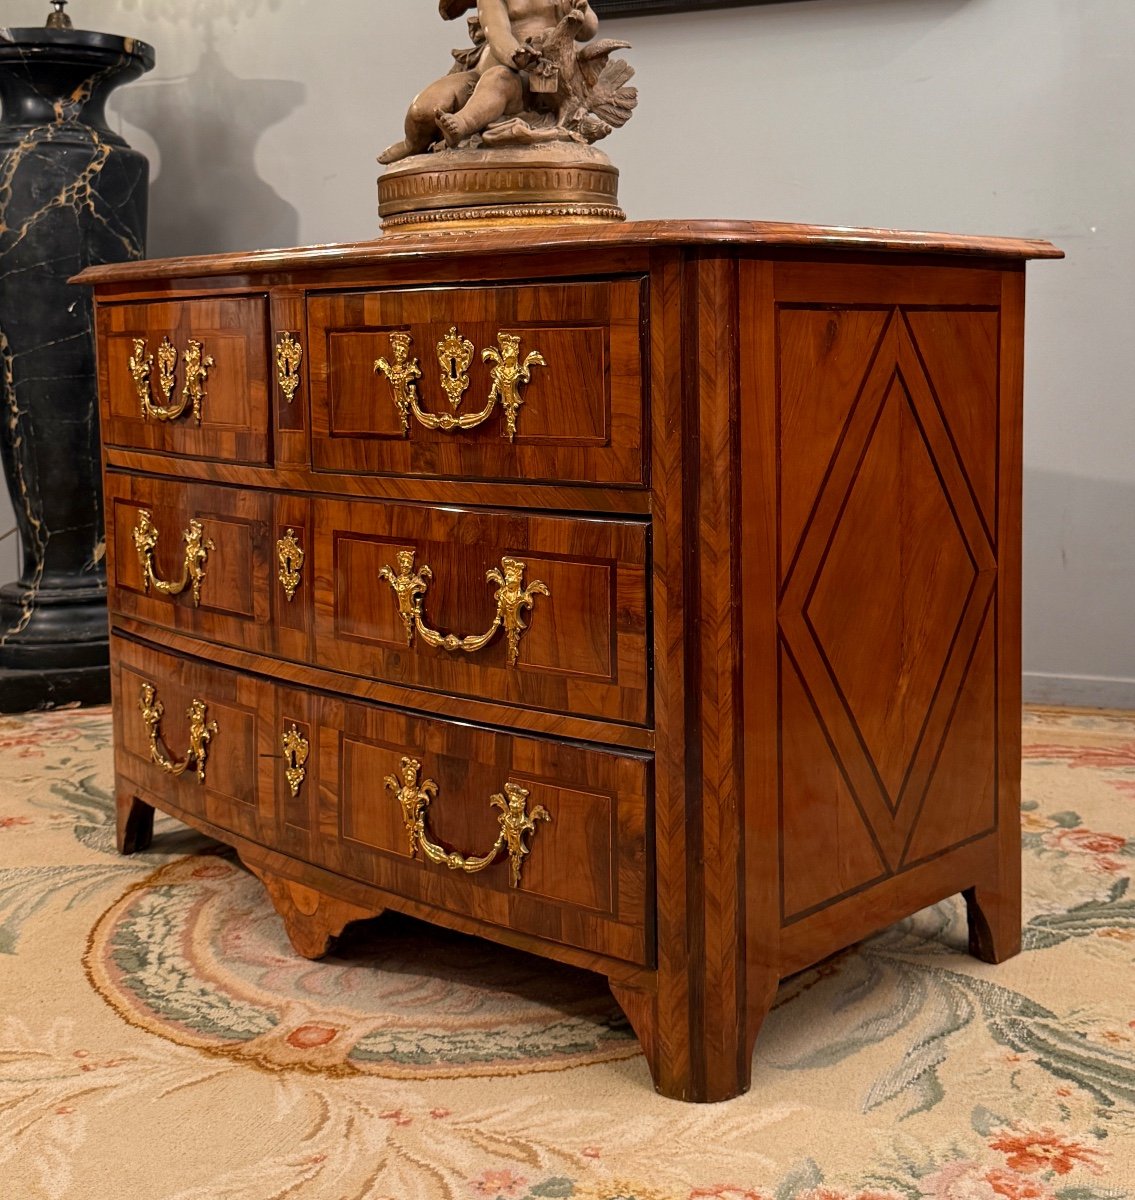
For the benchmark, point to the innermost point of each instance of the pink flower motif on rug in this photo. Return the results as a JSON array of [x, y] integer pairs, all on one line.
[[1017, 1187], [12, 822], [959, 1181], [36, 743], [1100, 846], [494, 1184], [1045, 1150], [1085, 839]]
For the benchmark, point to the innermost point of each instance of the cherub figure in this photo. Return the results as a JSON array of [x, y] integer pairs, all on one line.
[[514, 61]]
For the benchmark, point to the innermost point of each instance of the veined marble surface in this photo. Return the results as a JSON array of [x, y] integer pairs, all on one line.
[[72, 194]]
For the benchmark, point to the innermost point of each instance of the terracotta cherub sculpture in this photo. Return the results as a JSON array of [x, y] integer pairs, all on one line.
[[530, 76]]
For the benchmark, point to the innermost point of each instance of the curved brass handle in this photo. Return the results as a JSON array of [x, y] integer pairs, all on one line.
[[512, 596], [201, 733], [516, 824], [402, 375], [454, 356], [197, 547], [508, 374], [197, 365]]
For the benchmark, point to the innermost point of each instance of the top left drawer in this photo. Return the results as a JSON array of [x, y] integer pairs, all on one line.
[[187, 377]]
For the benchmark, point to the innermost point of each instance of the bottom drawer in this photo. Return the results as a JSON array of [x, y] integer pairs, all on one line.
[[542, 837]]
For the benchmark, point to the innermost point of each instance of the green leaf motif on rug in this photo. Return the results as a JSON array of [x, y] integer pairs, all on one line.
[[801, 1178], [554, 1189], [1084, 920], [25, 891], [945, 1002]]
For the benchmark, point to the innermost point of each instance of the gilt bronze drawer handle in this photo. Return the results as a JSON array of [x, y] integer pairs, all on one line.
[[201, 733], [197, 547], [513, 599], [296, 751], [290, 556], [196, 364], [289, 355], [516, 823], [508, 374], [401, 374], [455, 353]]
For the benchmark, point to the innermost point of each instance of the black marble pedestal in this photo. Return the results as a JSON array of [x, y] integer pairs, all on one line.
[[23, 691], [72, 194]]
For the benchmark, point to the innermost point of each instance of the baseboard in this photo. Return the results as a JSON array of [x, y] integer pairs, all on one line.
[[1079, 691]]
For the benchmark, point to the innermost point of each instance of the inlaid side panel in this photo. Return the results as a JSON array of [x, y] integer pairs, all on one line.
[[233, 405], [577, 371], [887, 413], [572, 590], [828, 847]]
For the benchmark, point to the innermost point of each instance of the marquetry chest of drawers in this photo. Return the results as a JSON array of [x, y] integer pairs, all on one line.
[[644, 596]]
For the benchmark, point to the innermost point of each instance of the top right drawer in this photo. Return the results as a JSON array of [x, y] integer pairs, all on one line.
[[540, 382]]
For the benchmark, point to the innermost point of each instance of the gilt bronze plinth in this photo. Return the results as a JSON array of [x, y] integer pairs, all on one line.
[[504, 185]]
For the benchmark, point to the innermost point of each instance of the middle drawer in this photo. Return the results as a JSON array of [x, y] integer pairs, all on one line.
[[542, 611], [545, 612]]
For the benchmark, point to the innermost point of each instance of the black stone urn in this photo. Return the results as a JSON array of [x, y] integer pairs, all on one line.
[[72, 194]]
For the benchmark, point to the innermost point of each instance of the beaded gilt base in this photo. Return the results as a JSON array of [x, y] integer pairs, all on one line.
[[557, 182]]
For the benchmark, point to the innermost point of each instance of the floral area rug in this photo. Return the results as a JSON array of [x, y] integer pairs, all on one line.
[[160, 1041]]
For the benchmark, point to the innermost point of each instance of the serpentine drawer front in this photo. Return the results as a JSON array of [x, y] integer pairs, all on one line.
[[523, 833], [644, 596], [187, 377], [547, 612], [425, 809], [541, 382]]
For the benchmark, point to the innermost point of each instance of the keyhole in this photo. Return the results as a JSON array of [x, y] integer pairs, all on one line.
[[452, 368]]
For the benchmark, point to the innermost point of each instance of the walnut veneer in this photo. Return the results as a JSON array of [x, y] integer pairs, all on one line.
[[693, 662]]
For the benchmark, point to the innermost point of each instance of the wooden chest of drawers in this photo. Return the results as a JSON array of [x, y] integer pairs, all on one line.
[[646, 597]]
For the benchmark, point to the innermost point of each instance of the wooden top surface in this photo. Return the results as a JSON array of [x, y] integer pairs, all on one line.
[[434, 244]]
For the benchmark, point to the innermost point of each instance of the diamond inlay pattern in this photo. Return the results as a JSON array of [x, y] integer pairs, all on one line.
[[902, 601], [888, 588]]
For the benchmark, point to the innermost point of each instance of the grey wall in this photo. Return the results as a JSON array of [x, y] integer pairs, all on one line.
[[984, 116]]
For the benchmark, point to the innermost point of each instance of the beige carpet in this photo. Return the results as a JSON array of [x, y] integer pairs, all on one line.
[[159, 1041]]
